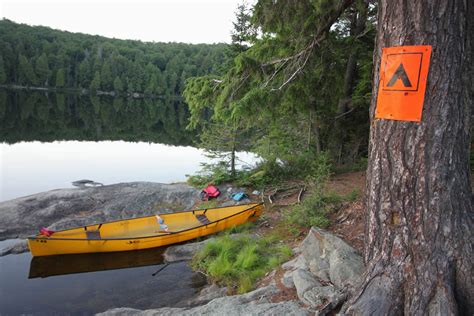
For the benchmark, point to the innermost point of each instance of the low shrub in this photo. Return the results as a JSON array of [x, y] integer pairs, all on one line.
[[316, 207], [210, 173], [313, 211], [311, 167]]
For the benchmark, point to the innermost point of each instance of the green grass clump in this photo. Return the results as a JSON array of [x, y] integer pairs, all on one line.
[[240, 228], [238, 262]]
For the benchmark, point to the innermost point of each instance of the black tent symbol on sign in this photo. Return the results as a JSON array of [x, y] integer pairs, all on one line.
[[401, 74]]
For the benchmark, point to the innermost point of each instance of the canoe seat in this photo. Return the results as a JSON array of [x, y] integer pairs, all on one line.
[[93, 234], [203, 219]]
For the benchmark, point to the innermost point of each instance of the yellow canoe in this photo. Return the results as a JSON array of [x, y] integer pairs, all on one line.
[[144, 232]]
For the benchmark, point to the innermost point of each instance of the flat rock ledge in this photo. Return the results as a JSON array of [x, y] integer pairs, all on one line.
[[253, 303], [17, 248], [65, 208]]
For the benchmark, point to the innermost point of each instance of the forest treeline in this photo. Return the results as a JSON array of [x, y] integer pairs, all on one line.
[[42, 57]]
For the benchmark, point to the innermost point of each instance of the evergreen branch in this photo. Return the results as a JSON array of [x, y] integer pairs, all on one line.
[[294, 74], [320, 34], [242, 81], [345, 113], [274, 74]]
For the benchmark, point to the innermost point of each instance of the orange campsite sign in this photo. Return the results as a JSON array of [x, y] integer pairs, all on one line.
[[403, 77]]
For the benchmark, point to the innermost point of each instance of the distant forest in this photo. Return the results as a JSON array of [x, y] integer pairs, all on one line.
[[42, 57]]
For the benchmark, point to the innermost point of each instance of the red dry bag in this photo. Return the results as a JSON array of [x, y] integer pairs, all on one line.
[[210, 192]]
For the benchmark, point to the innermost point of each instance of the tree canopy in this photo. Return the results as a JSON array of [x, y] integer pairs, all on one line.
[[288, 83]]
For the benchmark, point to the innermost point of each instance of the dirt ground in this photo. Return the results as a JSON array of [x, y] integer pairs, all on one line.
[[347, 220]]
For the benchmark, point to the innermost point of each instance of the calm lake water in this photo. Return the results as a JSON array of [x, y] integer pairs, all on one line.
[[92, 283], [47, 141], [32, 167]]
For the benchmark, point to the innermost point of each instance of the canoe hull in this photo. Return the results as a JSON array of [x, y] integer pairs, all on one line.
[[44, 246]]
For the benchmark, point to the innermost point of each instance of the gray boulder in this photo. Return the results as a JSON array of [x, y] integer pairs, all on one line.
[[331, 259], [327, 297], [323, 271], [297, 263], [65, 208], [304, 281], [287, 280], [311, 292]]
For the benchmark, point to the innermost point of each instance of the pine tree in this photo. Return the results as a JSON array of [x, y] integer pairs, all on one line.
[[95, 83], [161, 83], [42, 69], [84, 73], [130, 85], [152, 85], [106, 77], [226, 133], [243, 32], [60, 78], [3, 75], [118, 85], [27, 74]]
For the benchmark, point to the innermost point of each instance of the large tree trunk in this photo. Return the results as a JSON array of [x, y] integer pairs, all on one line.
[[419, 233]]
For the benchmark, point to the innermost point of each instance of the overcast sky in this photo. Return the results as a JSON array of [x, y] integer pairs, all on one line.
[[198, 21]]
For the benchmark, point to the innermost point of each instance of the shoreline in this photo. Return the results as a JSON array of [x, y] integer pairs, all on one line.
[[83, 91]]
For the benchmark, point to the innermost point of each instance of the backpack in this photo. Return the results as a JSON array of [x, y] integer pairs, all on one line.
[[209, 192], [238, 196]]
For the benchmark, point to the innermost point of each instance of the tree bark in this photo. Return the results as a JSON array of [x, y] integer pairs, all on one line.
[[419, 231]]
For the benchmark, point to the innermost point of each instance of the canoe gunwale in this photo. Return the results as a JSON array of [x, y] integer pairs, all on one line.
[[151, 236]]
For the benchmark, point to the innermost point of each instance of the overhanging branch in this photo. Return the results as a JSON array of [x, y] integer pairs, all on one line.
[[301, 58]]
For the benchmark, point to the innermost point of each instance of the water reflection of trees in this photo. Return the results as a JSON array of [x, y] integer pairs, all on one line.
[[38, 116]]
